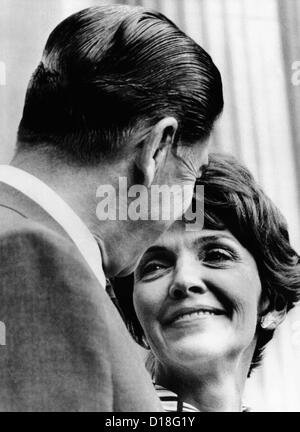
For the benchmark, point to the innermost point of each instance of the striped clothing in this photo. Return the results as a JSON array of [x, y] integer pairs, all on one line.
[[171, 402]]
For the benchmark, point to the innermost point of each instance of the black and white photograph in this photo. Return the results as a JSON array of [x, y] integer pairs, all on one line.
[[150, 208]]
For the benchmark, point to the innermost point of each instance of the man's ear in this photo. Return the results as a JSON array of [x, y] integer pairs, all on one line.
[[154, 148]]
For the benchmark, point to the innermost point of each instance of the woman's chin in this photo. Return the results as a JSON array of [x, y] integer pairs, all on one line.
[[198, 348]]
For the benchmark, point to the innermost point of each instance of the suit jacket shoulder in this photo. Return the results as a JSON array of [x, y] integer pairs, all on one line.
[[66, 346]]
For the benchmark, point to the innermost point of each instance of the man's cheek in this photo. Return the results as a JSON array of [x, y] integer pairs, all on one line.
[[182, 201]]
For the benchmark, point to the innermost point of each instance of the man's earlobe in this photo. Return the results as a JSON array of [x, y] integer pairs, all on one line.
[[153, 150]]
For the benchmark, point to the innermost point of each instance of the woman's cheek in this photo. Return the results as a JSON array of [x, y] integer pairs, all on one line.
[[143, 302], [148, 299]]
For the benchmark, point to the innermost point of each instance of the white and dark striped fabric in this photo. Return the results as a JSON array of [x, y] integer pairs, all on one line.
[[171, 402]]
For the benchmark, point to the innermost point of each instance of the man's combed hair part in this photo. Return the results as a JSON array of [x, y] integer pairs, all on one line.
[[108, 70]]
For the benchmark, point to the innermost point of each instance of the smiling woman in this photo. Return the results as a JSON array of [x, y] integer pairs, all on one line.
[[207, 302]]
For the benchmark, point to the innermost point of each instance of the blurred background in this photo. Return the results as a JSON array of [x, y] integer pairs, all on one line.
[[256, 46]]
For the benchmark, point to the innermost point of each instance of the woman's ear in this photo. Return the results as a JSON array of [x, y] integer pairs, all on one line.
[[272, 319], [272, 313], [155, 147]]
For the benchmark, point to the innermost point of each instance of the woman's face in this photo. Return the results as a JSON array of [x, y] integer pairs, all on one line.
[[197, 296]]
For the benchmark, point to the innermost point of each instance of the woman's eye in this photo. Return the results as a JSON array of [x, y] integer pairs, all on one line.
[[215, 255], [152, 269]]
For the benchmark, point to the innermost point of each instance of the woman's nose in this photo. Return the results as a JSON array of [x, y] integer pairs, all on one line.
[[184, 286], [189, 276]]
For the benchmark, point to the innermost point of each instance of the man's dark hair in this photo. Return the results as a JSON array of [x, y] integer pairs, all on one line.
[[233, 200], [106, 72]]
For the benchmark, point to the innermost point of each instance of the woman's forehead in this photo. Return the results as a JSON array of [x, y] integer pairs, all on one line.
[[177, 237]]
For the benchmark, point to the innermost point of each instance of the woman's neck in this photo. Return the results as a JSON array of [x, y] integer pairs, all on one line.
[[211, 392]]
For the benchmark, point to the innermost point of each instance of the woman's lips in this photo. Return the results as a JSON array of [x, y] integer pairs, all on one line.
[[192, 313]]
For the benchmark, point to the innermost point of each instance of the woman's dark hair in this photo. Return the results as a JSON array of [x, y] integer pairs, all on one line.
[[108, 71], [233, 200]]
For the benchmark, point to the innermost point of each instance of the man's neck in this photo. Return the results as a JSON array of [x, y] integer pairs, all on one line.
[[77, 186], [73, 185]]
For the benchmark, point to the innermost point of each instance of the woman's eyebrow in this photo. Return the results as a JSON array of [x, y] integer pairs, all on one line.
[[153, 250], [200, 241]]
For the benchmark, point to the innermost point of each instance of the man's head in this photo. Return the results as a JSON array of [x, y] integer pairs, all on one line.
[[109, 71], [123, 87]]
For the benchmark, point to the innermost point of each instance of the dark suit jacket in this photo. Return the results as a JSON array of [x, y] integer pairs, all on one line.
[[67, 348]]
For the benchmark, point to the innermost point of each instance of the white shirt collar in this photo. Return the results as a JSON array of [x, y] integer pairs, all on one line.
[[60, 211]]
